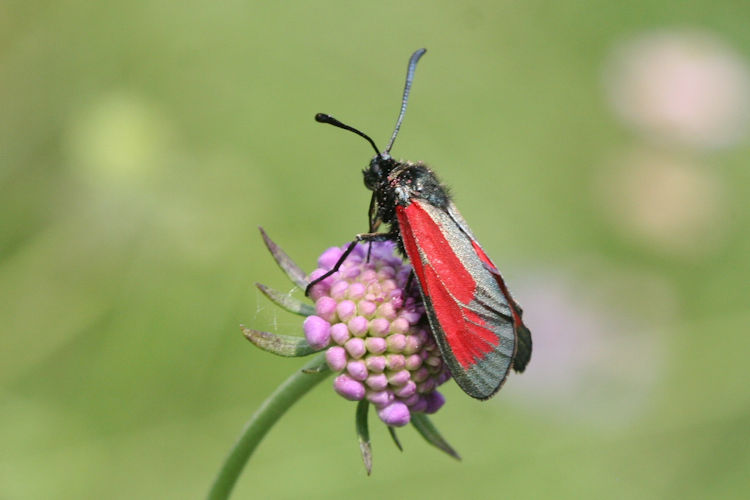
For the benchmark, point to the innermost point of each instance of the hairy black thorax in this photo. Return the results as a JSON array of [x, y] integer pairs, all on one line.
[[399, 183]]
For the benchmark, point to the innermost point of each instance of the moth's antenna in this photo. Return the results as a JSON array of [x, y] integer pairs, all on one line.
[[324, 118], [407, 88]]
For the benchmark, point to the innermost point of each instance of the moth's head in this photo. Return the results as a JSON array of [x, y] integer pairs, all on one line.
[[377, 171]]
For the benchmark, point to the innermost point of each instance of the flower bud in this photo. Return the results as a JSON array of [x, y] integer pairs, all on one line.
[[356, 291], [377, 382], [357, 369], [339, 289], [317, 331], [380, 398], [340, 333], [379, 327], [349, 388], [345, 310], [376, 345], [399, 325], [376, 364], [355, 347], [330, 257], [325, 307], [398, 379], [435, 401], [395, 362], [367, 308], [396, 343], [395, 414], [413, 362], [358, 326], [336, 358], [407, 390]]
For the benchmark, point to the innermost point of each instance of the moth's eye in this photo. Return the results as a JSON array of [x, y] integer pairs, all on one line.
[[372, 176]]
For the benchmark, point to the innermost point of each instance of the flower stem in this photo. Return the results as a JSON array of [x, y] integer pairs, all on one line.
[[261, 422]]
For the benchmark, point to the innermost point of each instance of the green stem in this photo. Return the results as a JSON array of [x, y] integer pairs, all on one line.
[[256, 428]]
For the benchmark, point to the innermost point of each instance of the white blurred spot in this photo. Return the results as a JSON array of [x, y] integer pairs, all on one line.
[[597, 353], [686, 87], [117, 139], [662, 201]]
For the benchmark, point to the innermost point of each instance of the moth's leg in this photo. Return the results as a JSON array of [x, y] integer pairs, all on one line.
[[369, 237]]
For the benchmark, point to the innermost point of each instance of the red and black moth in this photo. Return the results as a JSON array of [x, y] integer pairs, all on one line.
[[475, 320]]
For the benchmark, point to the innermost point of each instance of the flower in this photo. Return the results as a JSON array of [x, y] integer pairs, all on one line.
[[370, 318], [368, 326], [687, 87]]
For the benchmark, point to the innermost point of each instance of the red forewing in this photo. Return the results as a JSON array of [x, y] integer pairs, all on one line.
[[476, 323]]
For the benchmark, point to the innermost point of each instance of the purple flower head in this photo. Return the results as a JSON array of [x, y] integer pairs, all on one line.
[[367, 326], [389, 355]]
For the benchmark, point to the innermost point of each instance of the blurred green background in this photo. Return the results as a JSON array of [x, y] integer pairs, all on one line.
[[598, 149]]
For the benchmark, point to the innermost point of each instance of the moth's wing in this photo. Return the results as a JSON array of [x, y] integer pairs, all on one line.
[[470, 315], [523, 334]]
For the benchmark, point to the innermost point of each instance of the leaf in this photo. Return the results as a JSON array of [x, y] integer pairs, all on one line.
[[295, 273], [428, 431], [363, 434], [392, 432], [281, 345], [289, 303]]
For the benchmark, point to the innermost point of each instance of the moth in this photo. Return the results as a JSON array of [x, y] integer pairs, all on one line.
[[476, 321]]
